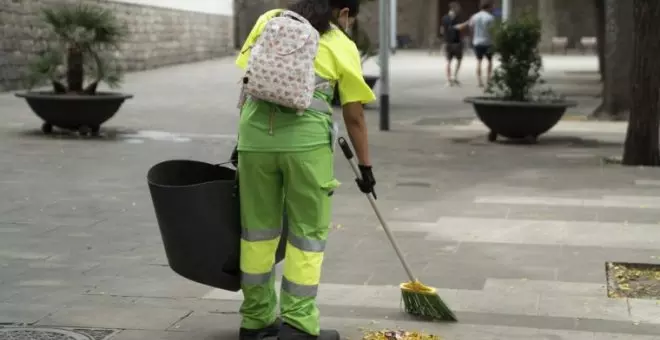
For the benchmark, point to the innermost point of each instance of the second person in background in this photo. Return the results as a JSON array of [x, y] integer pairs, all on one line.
[[481, 24]]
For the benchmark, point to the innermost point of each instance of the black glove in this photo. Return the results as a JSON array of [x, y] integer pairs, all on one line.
[[368, 182], [234, 157]]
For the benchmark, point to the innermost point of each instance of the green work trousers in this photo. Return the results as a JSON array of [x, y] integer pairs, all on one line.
[[302, 183]]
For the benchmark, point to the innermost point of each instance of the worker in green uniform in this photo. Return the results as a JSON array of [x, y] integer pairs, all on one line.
[[285, 162]]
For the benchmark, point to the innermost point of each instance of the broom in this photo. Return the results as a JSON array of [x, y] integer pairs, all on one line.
[[418, 299]]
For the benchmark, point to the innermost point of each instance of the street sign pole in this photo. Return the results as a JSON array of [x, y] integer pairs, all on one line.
[[393, 14], [384, 56], [506, 10]]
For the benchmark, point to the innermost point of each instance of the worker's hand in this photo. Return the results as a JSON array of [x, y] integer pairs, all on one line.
[[367, 182], [234, 157]]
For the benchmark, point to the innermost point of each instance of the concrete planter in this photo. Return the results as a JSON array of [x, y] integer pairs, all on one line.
[[82, 113], [518, 120]]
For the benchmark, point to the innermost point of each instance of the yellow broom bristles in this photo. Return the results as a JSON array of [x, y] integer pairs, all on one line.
[[423, 301]]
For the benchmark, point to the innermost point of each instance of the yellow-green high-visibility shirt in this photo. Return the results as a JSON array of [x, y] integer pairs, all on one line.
[[261, 129]]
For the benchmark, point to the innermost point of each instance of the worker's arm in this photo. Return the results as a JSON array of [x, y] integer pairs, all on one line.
[[353, 93], [463, 25], [356, 126]]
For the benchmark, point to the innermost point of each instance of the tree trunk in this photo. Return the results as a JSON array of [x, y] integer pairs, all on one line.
[[641, 146], [617, 46], [75, 72]]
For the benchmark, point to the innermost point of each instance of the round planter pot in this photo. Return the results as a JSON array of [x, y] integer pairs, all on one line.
[[518, 120], [82, 113], [370, 80]]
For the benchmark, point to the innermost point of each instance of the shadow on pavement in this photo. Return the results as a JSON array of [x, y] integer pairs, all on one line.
[[547, 141]]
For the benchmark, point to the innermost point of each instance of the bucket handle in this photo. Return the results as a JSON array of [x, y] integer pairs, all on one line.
[[236, 185], [224, 163]]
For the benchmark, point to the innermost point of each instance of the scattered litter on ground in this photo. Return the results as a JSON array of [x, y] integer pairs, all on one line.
[[630, 280], [398, 335]]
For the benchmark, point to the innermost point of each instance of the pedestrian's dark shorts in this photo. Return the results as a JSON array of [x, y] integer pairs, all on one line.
[[454, 50], [481, 51]]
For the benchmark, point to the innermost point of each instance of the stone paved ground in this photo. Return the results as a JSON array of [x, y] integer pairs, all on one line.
[[516, 237]]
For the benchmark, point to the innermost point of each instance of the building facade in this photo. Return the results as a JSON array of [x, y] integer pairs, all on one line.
[[419, 19], [162, 32], [165, 32]]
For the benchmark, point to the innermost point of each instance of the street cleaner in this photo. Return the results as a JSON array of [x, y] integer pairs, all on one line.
[[293, 59]]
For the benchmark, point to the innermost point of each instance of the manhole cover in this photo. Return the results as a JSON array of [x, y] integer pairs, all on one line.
[[37, 333]]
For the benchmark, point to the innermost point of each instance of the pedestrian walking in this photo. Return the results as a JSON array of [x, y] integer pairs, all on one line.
[[481, 25], [453, 42]]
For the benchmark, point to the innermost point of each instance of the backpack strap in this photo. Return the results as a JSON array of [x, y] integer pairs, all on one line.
[[295, 16]]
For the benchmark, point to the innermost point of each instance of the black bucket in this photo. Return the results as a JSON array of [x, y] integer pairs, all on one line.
[[198, 214]]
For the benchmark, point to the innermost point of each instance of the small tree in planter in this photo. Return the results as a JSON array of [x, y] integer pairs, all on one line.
[[81, 44], [517, 106]]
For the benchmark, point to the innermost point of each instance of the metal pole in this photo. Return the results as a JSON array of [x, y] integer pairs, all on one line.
[[384, 51], [393, 19], [506, 10]]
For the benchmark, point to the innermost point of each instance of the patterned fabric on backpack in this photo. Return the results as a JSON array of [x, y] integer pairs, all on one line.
[[281, 65]]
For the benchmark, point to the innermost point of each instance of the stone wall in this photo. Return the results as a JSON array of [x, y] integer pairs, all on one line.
[[158, 36], [247, 13], [575, 19], [561, 18]]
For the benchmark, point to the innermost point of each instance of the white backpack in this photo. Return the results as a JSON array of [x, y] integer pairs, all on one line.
[[281, 64]]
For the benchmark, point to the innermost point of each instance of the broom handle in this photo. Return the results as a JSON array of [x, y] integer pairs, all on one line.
[[348, 153]]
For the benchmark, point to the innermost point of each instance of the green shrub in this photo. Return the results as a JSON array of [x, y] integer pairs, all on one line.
[[516, 42]]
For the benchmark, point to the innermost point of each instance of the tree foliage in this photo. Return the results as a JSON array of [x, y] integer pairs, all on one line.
[[81, 41], [516, 42]]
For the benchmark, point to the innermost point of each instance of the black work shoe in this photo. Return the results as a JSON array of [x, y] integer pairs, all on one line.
[[288, 332], [259, 334]]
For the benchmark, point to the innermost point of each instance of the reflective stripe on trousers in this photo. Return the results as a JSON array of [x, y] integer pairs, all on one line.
[[263, 244], [302, 254]]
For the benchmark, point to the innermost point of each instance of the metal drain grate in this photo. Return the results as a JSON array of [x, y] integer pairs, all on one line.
[[42, 333]]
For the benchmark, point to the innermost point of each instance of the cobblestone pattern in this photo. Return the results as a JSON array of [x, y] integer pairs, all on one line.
[[158, 36]]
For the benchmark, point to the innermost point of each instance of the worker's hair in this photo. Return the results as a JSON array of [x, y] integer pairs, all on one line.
[[486, 4], [319, 13], [352, 5], [454, 6]]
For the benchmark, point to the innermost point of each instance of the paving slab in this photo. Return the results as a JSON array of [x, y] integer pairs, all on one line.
[[514, 236], [539, 232], [115, 317], [24, 313]]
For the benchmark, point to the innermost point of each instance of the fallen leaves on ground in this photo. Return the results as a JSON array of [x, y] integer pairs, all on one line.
[[398, 335], [635, 281]]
